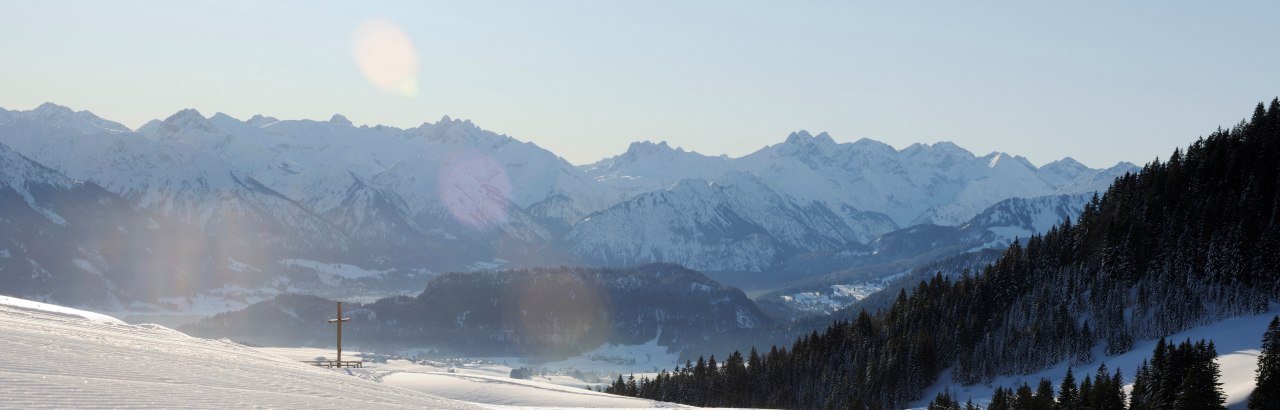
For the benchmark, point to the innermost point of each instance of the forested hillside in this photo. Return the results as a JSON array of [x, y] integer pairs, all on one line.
[[536, 312], [1183, 242]]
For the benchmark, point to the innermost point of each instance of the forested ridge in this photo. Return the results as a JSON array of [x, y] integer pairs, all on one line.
[[1183, 242]]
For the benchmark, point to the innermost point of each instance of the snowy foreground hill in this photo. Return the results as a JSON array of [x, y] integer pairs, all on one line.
[[58, 357]]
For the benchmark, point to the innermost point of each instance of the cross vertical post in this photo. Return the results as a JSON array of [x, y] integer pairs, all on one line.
[[338, 321]]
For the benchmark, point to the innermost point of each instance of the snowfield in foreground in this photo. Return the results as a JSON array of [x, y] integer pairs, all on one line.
[[488, 385], [57, 357]]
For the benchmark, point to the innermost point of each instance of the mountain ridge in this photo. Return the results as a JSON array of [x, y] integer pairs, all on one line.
[[450, 195]]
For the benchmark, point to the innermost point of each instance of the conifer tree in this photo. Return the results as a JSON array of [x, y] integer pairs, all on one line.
[[1200, 388], [1140, 398], [1086, 391], [1267, 393], [1024, 397], [1068, 394], [944, 401], [1001, 400], [1044, 395]]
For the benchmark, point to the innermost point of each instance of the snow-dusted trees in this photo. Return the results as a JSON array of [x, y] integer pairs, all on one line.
[[1267, 394], [1178, 377]]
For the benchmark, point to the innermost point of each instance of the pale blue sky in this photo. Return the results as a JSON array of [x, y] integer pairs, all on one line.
[[1099, 81]]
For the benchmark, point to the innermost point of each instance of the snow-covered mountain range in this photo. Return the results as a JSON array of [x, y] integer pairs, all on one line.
[[452, 196]]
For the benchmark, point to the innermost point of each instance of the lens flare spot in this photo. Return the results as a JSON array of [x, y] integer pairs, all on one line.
[[475, 189], [558, 315], [386, 56]]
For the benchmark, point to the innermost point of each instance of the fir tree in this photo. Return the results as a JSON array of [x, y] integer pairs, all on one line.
[[1267, 393], [1001, 399], [1068, 394], [1141, 396], [1044, 395], [1200, 388], [944, 401], [1086, 391], [1024, 397]]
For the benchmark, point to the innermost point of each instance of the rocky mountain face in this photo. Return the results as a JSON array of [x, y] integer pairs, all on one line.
[[304, 205], [838, 278], [872, 188], [543, 312], [941, 184]]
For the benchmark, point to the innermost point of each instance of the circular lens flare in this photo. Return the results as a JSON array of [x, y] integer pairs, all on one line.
[[385, 55]]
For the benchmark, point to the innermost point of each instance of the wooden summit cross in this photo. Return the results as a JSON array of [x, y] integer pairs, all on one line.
[[338, 363], [338, 320]]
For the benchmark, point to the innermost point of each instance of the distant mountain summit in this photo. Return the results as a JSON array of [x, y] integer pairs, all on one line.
[[449, 195]]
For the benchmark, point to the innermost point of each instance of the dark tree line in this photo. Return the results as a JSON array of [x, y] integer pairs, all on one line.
[[1181, 243], [1103, 391], [1267, 393], [1181, 377], [1178, 377]]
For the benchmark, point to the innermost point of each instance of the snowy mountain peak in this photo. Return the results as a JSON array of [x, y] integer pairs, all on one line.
[[1066, 163], [63, 117], [339, 119], [1000, 159], [50, 109], [221, 116], [1124, 166], [867, 144], [805, 138], [1063, 172], [940, 148], [948, 146], [462, 132], [943, 154], [187, 119], [649, 148], [260, 121], [184, 125]]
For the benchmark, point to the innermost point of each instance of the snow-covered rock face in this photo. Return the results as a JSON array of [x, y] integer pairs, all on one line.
[[82, 121], [647, 167], [734, 224], [940, 184], [449, 195], [871, 187]]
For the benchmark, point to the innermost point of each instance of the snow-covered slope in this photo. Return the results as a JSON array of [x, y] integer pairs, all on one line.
[[62, 358], [484, 383], [736, 223], [58, 357], [647, 167], [1238, 341], [940, 184], [904, 249], [178, 181], [64, 117]]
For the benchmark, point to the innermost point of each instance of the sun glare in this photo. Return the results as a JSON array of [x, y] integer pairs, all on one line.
[[386, 56]]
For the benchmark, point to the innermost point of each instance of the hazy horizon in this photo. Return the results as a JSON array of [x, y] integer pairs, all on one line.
[[584, 80]]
